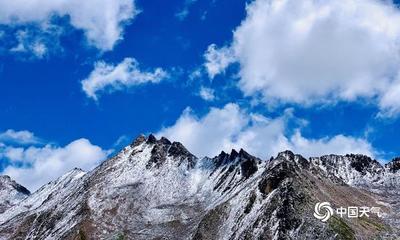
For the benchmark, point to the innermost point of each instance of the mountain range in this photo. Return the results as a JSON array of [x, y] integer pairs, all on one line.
[[156, 189]]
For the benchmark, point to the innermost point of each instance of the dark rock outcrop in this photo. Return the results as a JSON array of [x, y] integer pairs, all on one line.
[[393, 165]]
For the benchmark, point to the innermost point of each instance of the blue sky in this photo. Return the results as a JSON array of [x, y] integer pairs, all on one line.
[[313, 77], [45, 95]]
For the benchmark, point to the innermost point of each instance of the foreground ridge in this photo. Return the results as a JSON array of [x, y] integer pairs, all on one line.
[[157, 189]]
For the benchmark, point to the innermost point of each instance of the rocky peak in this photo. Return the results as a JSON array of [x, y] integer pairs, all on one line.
[[248, 164], [139, 140], [352, 169], [177, 149], [7, 182], [234, 154], [234, 157], [276, 174], [151, 139], [158, 153], [221, 159], [362, 163], [11, 193], [163, 148], [394, 165], [244, 155], [287, 155], [165, 141]]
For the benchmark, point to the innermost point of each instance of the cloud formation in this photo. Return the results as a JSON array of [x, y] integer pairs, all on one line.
[[231, 127], [102, 21], [217, 60], [207, 94], [316, 52], [107, 77], [19, 137], [34, 166], [31, 44]]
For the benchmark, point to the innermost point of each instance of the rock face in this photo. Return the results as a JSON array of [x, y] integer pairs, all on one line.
[[10, 193], [394, 165], [157, 189]]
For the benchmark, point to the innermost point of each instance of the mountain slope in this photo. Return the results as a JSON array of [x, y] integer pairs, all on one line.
[[10, 193], [48, 212], [157, 189]]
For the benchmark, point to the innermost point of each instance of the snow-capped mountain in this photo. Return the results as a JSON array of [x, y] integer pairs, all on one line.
[[11, 193], [157, 189], [361, 171]]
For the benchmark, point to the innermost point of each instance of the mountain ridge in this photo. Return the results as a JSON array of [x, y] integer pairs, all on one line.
[[156, 188]]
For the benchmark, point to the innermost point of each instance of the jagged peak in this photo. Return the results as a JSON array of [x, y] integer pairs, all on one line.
[[362, 157], [358, 155], [233, 155], [138, 140], [396, 159], [223, 154], [244, 154], [351, 156], [247, 161], [360, 162], [393, 165], [178, 148], [5, 178], [151, 139], [288, 155], [165, 141], [163, 147], [8, 181], [76, 170]]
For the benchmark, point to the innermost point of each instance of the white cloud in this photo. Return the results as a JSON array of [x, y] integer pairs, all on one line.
[[35, 166], [19, 137], [217, 60], [28, 42], [338, 144], [12, 153], [231, 127], [196, 74], [39, 49], [313, 52], [102, 21], [390, 101], [125, 74], [207, 94]]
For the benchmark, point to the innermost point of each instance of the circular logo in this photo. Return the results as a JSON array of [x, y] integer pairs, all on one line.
[[323, 211]]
